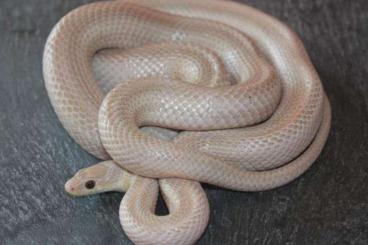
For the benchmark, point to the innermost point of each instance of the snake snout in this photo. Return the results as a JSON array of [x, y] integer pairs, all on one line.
[[69, 187], [73, 188]]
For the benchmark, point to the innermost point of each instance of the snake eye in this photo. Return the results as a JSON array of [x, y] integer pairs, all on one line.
[[90, 184]]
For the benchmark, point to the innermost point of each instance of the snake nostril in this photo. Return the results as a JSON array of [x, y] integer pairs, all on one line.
[[90, 184]]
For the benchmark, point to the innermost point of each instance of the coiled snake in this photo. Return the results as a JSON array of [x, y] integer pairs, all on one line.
[[225, 95]]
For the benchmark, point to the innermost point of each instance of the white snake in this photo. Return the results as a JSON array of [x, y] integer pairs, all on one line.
[[237, 81]]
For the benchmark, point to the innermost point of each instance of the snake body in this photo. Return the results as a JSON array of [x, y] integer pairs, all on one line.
[[236, 83]]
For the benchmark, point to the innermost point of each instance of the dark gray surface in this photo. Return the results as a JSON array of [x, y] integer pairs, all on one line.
[[327, 205]]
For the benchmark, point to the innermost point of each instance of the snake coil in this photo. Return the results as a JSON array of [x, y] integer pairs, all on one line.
[[236, 83]]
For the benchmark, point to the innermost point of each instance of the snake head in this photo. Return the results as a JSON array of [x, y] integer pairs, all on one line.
[[102, 177]]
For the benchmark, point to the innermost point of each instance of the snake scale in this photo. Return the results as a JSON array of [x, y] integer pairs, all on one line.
[[170, 93]]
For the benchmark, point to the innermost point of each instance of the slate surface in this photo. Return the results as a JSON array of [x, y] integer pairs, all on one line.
[[327, 205]]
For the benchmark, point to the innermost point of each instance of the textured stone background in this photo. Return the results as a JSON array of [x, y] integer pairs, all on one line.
[[327, 205]]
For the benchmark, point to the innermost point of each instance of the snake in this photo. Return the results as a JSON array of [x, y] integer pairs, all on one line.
[[170, 93]]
